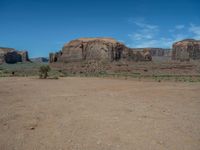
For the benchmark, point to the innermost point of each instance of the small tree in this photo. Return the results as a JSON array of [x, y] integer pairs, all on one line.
[[44, 71]]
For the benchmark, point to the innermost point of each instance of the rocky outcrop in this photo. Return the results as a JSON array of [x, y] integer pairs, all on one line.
[[10, 55], [55, 57], [24, 56], [3, 52], [97, 49], [156, 51], [186, 49], [139, 55]]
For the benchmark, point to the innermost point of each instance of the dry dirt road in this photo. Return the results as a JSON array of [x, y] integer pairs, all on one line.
[[98, 114]]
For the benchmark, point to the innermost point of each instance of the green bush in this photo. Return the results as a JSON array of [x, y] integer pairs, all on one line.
[[44, 71]]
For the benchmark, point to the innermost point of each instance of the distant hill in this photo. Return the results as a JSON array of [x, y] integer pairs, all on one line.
[[40, 59]]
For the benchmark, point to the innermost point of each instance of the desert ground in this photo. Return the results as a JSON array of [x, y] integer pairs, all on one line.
[[77, 113]]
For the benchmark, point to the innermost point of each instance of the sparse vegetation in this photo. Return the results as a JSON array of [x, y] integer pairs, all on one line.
[[163, 71], [44, 71], [20, 69]]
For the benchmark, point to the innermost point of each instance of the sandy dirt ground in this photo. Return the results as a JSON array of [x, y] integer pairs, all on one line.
[[98, 114]]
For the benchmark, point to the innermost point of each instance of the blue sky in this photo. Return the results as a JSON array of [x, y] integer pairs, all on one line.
[[43, 26]]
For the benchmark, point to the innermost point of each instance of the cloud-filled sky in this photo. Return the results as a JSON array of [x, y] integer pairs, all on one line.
[[43, 26], [151, 35]]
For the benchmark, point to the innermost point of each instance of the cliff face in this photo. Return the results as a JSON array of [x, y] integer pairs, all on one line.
[[10, 55], [3, 52], [156, 51], [23, 55], [186, 50], [97, 49]]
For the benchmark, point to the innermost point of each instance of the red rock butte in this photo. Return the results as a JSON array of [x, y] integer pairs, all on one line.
[[97, 49], [186, 49]]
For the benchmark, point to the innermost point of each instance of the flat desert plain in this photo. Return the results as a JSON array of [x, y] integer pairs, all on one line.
[[98, 114]]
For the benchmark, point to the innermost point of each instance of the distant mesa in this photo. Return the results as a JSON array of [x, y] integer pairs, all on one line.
[[98, 49], [10, 55], [112, 50], [186, 49], [40, 59], [109, 49], [160, 52]]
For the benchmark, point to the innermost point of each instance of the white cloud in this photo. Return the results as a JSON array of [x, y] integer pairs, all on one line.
[[148, 35], [146, 26], [171, 30], [179, 36], [141, 36], [140, 22], [161, 42], [195, 30], [179, 27], [145, 32]]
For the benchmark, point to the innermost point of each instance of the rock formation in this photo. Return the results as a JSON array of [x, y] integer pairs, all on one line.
[[24, 56], [155, 51], [97, 49], [186, 49], [10, 55], [3, 52]]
